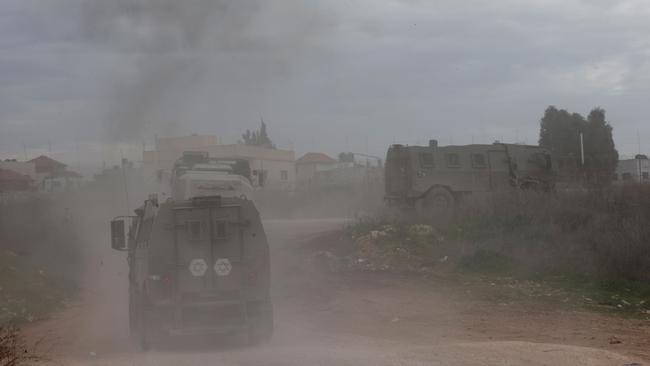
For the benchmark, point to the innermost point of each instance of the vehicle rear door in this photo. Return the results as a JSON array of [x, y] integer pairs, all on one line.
[[227, 248], [398, 170], [208, 249]]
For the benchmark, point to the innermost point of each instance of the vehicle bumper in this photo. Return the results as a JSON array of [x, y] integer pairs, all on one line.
[[211, 318]]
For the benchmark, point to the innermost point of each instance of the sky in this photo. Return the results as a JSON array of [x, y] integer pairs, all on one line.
[[88, 81]]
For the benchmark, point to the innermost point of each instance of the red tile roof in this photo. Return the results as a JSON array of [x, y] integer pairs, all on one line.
[[315, 158], [46, 164], [10, 175]]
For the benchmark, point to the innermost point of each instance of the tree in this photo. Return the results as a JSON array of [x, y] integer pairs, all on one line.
[[258, 138], [560, 133], [601, 156], [346, 157]]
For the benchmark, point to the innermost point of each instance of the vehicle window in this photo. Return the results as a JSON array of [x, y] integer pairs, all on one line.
[[194, 230], [426, 160], [453, 160], [478, 161]]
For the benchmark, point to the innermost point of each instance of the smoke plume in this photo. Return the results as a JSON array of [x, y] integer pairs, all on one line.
[[193, 60]]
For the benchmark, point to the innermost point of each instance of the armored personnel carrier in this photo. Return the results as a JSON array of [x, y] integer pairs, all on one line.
[[433, 178], [198, 262]]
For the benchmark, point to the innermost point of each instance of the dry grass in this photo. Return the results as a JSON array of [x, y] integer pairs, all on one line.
[[40, 259], [604, 233], [15, 352]]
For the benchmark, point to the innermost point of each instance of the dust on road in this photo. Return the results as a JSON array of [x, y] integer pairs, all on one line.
[[329, 319]]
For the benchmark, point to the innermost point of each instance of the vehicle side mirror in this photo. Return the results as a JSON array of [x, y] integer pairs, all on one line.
[[118, 235]]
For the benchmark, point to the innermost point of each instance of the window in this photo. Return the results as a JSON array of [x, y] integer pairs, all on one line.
[[220, 229], [478, 161], [284, 175], [615, 177], [426, 160], [645, 176], [453, 160], [194, 230], [626, 177]]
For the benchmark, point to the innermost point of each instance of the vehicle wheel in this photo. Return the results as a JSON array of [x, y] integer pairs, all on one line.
[[436, 204], [262, 330]]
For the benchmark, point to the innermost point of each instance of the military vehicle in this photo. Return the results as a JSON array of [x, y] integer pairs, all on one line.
[[434, 178], [198, 262]]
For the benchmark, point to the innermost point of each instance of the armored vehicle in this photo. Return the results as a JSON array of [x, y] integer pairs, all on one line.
[[199, 262], [433, 178]]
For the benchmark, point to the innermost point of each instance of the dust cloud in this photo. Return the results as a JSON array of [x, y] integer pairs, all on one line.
[[183, 57], [182, 63]]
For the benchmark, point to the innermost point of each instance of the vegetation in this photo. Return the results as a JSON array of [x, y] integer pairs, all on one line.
[[14, 351], [36, 237], [346, 157], [560, 133], [26, 293], [594, 246], [258, 138]]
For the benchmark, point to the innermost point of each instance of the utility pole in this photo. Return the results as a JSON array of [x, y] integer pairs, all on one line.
[[582, 149]]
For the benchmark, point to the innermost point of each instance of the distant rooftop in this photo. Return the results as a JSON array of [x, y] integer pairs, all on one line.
[[315, 158], [10, 175], [45, 164]]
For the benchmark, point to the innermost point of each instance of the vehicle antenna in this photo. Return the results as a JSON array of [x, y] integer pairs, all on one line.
[[126, 189]]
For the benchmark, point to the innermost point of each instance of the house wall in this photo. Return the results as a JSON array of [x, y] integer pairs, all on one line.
[[277, 164], [60, 184], [306, 173], [632, 171], [185, 143]]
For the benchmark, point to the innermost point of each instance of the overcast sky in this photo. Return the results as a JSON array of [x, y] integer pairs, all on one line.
[[86, 78]]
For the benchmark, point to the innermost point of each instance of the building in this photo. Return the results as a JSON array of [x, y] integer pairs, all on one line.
[[21, 167], [52, 175], [309, 165], [317, 171], [12, 181], [635, 170], [270, 168], [47, 165], [62, 181]]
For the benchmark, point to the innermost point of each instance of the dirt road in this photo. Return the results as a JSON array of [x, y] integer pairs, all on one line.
[[352, 319]]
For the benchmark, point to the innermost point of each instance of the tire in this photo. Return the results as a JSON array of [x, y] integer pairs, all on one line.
[[436, 204], [262, 330]]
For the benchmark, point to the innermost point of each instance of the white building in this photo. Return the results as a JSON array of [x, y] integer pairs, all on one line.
[[62, 182], [635, 170], [309, 165], [270, 168]]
